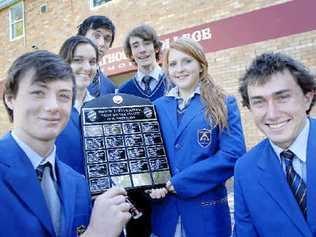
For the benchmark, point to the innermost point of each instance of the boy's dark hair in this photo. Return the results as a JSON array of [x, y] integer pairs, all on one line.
[[95, 22], [268, 64], [68, 48], [144, 32], [47, 67]]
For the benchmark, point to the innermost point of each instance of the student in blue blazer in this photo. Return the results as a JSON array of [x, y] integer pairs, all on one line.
[[142, 46], [38, 96], [275, 182], [203, 138], [82, 55], [101, 31]]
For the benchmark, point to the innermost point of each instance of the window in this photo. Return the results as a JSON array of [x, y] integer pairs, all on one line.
[[97, 3], [16, 16]]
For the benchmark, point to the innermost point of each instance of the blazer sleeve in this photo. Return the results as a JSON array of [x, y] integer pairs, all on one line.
[[243, 223], [206, 174]]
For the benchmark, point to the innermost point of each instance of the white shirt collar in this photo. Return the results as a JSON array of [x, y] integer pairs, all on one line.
[[34, 157], [299, 146], [174, 92], [154, 74]]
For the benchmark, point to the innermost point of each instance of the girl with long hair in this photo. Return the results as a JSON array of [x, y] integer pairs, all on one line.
[[203, 138], [82, 55]]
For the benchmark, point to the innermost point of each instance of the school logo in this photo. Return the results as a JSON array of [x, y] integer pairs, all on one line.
[[92, 116], [204, 137], [148, 112], [117, 99]]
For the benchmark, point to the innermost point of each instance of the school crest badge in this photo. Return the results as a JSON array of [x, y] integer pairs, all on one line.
[[204, 137]]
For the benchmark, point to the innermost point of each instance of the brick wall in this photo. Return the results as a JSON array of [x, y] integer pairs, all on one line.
[[49, 30]]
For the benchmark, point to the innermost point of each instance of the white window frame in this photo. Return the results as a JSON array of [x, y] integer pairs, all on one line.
[[96, 7], [15, 22]]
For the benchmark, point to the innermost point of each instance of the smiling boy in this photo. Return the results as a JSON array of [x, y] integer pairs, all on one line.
[[40, 195], [142, 46], [275, 182]]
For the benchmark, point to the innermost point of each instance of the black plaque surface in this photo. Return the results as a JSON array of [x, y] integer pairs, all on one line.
[[123, 144]]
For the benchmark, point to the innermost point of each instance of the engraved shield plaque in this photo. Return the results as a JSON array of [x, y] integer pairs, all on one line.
[[123, 144]]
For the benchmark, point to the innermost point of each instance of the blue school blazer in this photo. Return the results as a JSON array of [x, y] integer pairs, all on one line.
[[201, 160], [264, 203], [69, 145], [23, 209], [101, 85]]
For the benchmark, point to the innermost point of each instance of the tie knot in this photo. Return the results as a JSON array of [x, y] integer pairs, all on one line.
[[147, 79], [287, 155], [40, 170]]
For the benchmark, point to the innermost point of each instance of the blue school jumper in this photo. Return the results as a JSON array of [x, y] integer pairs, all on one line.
[[131, 87]]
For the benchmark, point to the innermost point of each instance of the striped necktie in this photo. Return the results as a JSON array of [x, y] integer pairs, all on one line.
[[146, 80], [44, 175], [296, 183]]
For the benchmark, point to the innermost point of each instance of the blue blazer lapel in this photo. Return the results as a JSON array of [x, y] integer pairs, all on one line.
[[22, 179], [273, 180], [195, 108], [75, 118], [67, 198], [311, 177]]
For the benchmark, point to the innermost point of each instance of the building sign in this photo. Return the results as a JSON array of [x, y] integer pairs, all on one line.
[[281, 20], [115, 62]]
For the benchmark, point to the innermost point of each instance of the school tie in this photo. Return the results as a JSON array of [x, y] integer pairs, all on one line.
[[44, 175], [296, 183], [146, 80]]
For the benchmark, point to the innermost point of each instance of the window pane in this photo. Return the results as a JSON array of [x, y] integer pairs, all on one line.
[[96, 3], [16, 12], [13, 33], [19, 29]]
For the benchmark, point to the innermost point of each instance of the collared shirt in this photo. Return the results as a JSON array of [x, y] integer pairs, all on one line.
[[299, 148], [35, 158], [155, 74], [182, 103]]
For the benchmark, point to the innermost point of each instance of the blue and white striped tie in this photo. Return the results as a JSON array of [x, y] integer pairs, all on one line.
[[296, 183]]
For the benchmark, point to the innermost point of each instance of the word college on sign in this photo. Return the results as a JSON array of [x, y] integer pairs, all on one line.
[[117, 60]]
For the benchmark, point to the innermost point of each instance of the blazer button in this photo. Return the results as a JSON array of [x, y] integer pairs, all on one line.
[[178, 146]]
